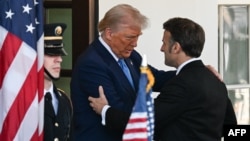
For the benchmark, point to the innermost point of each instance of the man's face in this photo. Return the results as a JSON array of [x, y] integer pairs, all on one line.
[[124, 40], [53, 65], [167, 49]]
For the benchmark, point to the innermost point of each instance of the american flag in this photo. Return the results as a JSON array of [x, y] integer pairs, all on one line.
[[140, 126], [21, 70]]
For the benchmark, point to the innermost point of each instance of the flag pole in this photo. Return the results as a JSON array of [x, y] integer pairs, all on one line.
[[144, 69]]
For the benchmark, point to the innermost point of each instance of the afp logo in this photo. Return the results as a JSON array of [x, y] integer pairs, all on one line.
[[236, 132]]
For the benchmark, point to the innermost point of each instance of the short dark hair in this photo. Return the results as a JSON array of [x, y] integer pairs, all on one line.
[[188, 34]]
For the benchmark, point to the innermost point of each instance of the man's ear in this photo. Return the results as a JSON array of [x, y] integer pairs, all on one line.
[[176, 47], [108, 33]]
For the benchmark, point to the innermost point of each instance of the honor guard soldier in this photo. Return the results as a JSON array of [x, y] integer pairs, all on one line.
[[58, 106]]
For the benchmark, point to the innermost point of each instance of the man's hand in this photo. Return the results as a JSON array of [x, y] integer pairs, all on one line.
[[215, 72], [98, 103]]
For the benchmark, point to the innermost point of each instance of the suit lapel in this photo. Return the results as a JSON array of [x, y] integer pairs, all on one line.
[[133, 73], [116, 69], [122, 77], [125, 90]]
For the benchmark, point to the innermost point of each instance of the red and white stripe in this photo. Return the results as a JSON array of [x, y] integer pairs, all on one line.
[[136, 129], [21, 89]]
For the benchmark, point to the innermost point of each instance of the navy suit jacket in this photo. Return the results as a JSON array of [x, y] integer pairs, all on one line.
[[98, 67], [193, 106]]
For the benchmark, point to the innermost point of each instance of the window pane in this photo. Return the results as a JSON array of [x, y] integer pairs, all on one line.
[[235, 44], [240, 101]]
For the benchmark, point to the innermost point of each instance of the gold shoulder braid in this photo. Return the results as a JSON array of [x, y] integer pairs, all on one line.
[[62, 92]]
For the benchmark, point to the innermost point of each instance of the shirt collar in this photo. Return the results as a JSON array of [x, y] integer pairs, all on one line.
[[185, 63], [108, 48], [49, 90]]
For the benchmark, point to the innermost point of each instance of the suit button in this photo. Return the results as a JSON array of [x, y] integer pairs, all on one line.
[[56, 124], [56, 139]]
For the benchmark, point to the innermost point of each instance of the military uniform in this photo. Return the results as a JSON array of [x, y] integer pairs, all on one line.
[[57, 119], [57, 126]]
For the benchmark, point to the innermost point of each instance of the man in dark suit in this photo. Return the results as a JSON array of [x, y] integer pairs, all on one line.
[[194, 105], [58, 107], [120, 29]]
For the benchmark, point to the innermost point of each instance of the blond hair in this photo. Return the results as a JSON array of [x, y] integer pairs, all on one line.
[[122, 14]]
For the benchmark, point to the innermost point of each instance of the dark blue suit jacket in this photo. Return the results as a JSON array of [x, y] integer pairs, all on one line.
[[193, 106], [98, 67]]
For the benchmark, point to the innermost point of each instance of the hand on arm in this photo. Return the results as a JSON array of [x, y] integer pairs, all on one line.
[[109, 114], [98, 103]]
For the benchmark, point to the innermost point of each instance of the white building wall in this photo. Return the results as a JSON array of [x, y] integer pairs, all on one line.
[[203, 12]]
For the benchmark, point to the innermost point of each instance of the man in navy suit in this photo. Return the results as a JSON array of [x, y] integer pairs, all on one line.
[[194, 105], [120, 29]]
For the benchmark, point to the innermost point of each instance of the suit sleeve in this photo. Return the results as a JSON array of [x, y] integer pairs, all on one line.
[[161, 76], [116, 119], [230, 118]]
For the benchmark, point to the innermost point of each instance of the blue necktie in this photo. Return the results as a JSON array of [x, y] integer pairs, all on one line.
[[126, 71]]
